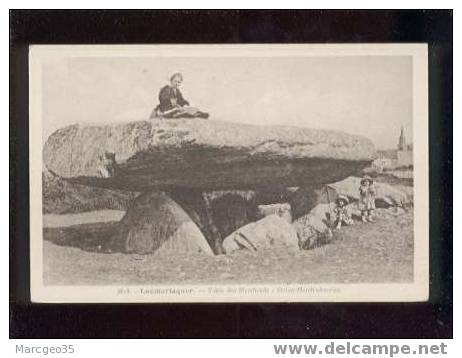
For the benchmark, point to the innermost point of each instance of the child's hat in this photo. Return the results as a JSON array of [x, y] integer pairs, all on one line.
[[342, 198], [367, 178]]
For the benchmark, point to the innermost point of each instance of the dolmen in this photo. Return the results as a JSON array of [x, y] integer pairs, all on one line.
[[184, 167]]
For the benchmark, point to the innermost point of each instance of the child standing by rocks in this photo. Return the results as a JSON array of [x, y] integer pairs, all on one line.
[[342, 215], [367, 199]]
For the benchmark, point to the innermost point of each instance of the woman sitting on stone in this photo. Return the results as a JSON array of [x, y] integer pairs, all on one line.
[[172, 104]]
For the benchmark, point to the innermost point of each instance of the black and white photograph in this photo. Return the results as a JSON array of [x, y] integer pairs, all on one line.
[[229, 173]]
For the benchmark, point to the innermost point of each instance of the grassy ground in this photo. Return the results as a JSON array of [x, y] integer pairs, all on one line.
[[374, 252]]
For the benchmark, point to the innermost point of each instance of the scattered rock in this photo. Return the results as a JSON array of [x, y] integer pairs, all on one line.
[[313, 221], [323, 212], [269, 232], [302, 200], [280, 209], [311, 231]]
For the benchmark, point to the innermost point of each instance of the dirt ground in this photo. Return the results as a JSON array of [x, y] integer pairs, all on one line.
[[380, 252]]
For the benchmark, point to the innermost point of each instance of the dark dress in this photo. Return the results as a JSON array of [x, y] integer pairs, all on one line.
[[167, 95]]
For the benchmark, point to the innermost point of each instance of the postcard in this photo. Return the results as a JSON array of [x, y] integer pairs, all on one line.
[[229, 173]]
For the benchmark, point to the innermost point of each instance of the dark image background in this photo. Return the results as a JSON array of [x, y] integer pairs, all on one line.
[[432, 319]]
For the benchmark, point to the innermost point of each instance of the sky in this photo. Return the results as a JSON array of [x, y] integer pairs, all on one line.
[[367, 95]]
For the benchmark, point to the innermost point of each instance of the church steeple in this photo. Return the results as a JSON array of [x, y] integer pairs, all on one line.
[[402, 145]]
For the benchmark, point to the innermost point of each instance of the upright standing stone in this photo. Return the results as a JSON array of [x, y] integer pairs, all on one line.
[[157, 223]]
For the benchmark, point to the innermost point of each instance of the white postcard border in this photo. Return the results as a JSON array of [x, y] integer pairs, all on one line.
[[416, 291]]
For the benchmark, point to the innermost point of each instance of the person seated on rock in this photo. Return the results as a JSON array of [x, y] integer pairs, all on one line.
[[172, 103], [367, 199], [342, 215]]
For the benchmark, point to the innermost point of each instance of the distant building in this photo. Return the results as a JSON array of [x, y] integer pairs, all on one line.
[[394, 158], [387, 159], [405, 152], [402, 143]]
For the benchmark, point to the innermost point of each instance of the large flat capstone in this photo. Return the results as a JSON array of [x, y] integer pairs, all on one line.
[[203, 154]]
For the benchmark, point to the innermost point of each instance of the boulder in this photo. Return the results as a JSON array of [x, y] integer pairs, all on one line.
[[386, 195], [203, 154], [304, 199], [271, 232], [312, 221], [311, 230], [156, 223], [280, 209], [323, 212]]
